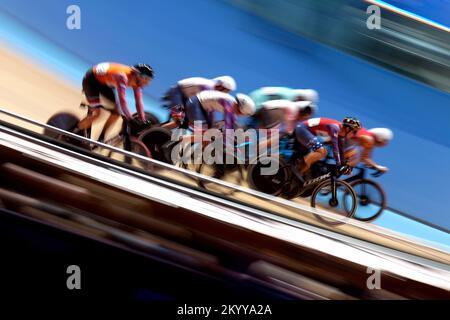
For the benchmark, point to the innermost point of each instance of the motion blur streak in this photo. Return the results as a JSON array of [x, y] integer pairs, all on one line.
[[271, 249], [410, 15]]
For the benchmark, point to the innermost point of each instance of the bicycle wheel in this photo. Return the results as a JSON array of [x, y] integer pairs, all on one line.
[[149, 116], [154, 139], [291, 190], [64, 121], [269, 177], [371, 199], [138, 147], [345, 204], [231, 173]]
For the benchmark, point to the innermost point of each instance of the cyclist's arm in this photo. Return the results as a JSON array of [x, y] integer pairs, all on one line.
[[333, 131], [341, 145], [121, 85], [139, 102], [367, 145]]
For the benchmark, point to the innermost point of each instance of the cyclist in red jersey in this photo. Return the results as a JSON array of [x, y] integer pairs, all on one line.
[[368, 140], [307, 132], [101, 80]]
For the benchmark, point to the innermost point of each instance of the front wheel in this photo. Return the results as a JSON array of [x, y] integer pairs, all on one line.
[[344, 204], [371, 199], [139, 148], [154, 139], [148, 116]]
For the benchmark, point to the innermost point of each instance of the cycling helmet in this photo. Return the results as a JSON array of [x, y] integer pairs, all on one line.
[[352, 123], [227, 82], [307, 95], [305, 107], [245, 104], [144, 70], [382, 134]]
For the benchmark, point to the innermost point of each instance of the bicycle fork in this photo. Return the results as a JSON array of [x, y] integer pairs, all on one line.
[[333, 201]]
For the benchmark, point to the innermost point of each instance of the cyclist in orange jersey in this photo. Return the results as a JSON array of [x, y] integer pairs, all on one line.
[[101, 80]]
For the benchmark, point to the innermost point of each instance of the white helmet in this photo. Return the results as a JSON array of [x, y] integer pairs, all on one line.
[[226, 82], [382, 134], [246, 104], [303, 105], [308, 94]]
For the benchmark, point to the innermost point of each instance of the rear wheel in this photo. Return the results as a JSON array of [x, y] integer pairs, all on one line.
[[64, 121], [344, 204], [268, 177], [292, 190]]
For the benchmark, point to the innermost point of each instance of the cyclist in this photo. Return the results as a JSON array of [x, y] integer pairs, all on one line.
[[178, 94], [200, 108], [283, 114], [200, 111], [265, 94], [307, 137], [367, 140], [100, 82]]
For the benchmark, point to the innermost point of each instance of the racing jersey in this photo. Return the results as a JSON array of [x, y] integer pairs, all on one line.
[[365, 139], [328, 129], [363, 132], [264, 94], [289, 115], [186, 88], [116, 75], [191, 86], [217, 101]]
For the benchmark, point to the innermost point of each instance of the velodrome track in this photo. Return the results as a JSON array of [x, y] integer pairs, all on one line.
[[28, 89], [156, 213], [32, 92]]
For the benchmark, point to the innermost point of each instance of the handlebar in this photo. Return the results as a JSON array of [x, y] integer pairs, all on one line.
[[375, 173]]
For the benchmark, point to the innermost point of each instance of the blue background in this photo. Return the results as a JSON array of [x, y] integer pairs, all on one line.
[[210, 38], [435, 10]]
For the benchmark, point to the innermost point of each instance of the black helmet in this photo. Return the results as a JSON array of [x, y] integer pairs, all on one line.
[[144, 70], [352, 123]]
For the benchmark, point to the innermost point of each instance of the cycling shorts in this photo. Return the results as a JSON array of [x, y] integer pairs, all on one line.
[[92, 88]]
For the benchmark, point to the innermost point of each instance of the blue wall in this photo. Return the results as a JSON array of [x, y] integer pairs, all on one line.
[[437, 11], [210, 38]]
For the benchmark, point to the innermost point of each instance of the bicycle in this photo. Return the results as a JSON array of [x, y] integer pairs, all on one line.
[[126, 138], [321, 181], [371, 196], [191, 156]]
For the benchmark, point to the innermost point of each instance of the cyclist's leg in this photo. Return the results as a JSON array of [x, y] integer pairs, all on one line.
[[113, 125], [315, 155], [310, 142], [95, 118], [99, 123], [91, 93]]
